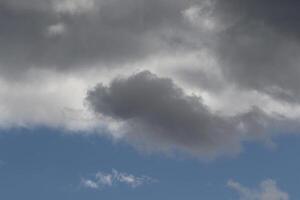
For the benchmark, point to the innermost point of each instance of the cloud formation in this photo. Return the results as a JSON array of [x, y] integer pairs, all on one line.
[[220, 72], [104, 180], [260, 49], [102, 32], [156, 111], [268, 190]]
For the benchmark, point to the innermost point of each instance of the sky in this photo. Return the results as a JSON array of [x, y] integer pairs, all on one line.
[[140, 99]]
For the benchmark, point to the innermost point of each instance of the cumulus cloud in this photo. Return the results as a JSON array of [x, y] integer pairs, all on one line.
[[230, 67], [103, 180], [156, 111], [268, 190]]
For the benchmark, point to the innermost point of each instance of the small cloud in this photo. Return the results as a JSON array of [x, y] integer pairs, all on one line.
[[56, 29], [268, 190], [89, 184], [104, 180], [201, 16]]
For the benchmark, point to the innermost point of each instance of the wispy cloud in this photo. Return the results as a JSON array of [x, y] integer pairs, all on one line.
[[105, 180], [267, 190]]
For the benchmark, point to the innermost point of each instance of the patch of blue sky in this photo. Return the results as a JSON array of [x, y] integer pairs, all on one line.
[[48, 164]]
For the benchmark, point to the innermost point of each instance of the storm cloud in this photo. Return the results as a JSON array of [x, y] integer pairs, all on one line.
[[158, 113], [260, 48], [201, 76], [66, 35]]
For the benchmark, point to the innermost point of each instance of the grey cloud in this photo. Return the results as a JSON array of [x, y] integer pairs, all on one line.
[[158, 114], [282, 16], [256, 47], [260, 49], [201, 79], [118, 32]]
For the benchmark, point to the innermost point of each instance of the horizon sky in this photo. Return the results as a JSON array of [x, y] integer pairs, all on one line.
[[149, 99]]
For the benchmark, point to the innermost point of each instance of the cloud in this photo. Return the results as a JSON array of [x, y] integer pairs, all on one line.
[[54, 102], [156, 112], [103, 180], [268, 190], [201, 16], [108, 33], [56, 30], [89, 184], [260, 50], [222, 72], [73, 7]]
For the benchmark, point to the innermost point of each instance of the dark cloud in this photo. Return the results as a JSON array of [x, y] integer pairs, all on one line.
[[158, 113], [255, 43], [258, 46], [260, 49], [282, 16], [116, 32]]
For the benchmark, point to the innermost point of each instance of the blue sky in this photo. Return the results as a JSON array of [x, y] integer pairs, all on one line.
[[45, 164]]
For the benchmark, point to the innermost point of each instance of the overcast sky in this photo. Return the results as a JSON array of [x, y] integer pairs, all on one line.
[[178, 79]]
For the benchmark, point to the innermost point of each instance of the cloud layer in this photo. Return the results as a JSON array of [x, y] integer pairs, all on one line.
[[197, 75]]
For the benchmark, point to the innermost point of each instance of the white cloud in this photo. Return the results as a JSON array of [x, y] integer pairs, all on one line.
[[201, 16], [50, 99], [56, 29], [268, 190], [89, 184], [74, 6], [104, 180]]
